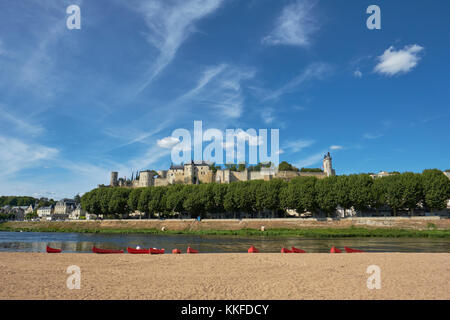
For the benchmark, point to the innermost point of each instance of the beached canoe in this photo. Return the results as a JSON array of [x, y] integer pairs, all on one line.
[[98, 250], [284, 250], [176, 251], [252, 249], [350, 250], [296, 250], [190, 250], [138, 251], [53, 250], [156, 251], [335, 250]]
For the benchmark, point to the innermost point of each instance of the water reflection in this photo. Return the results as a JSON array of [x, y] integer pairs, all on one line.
[[74, 242]]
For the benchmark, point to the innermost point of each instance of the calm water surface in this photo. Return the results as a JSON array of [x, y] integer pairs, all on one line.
[[82, 242]]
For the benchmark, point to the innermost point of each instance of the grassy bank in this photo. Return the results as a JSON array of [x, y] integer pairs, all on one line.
[[303, 232]]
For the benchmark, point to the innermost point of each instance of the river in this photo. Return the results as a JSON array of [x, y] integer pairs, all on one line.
[[83, 242]]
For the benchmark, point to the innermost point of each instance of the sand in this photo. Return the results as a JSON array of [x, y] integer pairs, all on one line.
[[225, 276]]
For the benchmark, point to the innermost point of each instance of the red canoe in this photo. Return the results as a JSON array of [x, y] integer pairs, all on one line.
[[52, 250], [190, 250], [252, 249], [295, 250], [350, 250], [335, 250], [156, 251], [138, 251], [176, 251], [284, 250], [97, 250]]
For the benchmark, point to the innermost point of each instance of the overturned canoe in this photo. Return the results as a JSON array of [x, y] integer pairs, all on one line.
[[350, 250], [138, 251], [176, 251], [98, 250], [190, 250], [156, 251], [335, 250], [252, 249], [284, 250], [53, 250], [296, 250]]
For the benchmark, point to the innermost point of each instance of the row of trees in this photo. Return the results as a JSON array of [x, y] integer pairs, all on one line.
[[406, 191], [16, 201]]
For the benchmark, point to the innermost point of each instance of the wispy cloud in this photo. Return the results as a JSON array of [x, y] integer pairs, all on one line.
[[18, 123], [315, 71], [335, 147], [298, 145], [220, 88], [372, 136], [17, 155], [393, 62], [267, 115], [170, 23], [358, 74], [295, 25], [311, 160]]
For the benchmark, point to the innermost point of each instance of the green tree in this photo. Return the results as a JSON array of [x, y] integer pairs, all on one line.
[[133, 199], [157, 202], [118, 202], [395, 190], [378, 193], [412, 190], [436, 189], [175, 196], [285, 166], [144, 200], [360, 192], [327, 197]]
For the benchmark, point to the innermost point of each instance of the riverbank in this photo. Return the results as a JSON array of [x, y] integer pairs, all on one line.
[[225, 276], [311, 228]]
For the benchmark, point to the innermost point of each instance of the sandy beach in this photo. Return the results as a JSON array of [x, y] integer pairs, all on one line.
[[225, 276]]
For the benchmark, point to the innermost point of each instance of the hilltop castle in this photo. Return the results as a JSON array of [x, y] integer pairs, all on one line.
[[202, 172]]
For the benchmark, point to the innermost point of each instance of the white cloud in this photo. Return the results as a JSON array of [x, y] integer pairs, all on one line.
[[358, 74], [335, 147], [294, 26], [393, 61], [16, 155], [170, 23], [298, 145], [168, 142]]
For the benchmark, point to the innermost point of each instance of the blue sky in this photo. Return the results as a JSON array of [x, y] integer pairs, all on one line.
[[77, 104]]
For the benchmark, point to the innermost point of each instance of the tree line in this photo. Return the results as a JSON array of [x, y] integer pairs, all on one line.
[[405, 191]]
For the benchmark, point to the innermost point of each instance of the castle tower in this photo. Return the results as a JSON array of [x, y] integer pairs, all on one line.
[[189, 173], [113, 182], [327, 165], [145, 178]]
